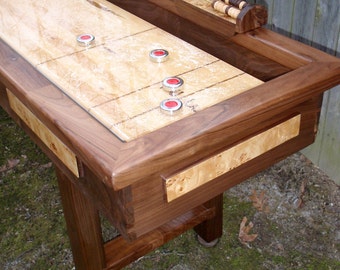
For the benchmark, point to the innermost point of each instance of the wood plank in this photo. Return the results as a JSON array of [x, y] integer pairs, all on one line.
[[238, 21], [93, 144], [47, 30], [326, 26], [51, 141], [121, 166], [337, 54], [269, 5], [325, 37], [282, 16], [221, 24], [193, 103], [148, 194], [287, 52], [119, 67], [83, 226], [122, 101], [261, 98], [189, 179], [328, 146], [212, 229], [113, 161], [119, 253], [250, 18], [206, 6], [304, 18], [200, 33]]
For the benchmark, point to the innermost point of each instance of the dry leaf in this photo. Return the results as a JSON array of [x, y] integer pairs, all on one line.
[[299, 203], [11, 163], [244, 235], [259, 201], [3, 168], [46, 166]]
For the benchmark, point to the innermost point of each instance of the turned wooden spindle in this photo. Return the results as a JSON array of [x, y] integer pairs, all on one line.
[[240, 4], [227, 9]]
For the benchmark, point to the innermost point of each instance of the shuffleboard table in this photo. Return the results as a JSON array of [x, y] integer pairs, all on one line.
[[150, 110]]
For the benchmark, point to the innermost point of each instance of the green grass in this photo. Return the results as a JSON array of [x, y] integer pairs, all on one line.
[[228, 254], [32, 227]]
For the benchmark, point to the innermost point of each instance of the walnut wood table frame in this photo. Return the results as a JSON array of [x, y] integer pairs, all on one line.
[[126, 181]]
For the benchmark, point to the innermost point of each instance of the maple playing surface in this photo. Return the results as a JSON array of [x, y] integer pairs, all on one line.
[[114, 80]]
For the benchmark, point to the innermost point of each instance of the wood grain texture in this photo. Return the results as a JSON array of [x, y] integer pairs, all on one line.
[[128, 94], [216, 118], [119, 253], [189, 179], [282, 15], [287, 52], [327, 15], [93, 149], [123, 180], [212, 229], [208, 34], [75, 128], [83, 225], [52, 142], [229, 10], [303, 19], [148, 194], [59, 113], [113, 162], [268, 4], [207, 7], [249, 18], [128, 174], [47, 30], [329, 152], [115, 81], [190, 10]]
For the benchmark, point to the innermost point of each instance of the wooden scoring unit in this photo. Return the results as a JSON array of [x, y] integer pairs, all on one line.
[[247, 18], [257, 99]]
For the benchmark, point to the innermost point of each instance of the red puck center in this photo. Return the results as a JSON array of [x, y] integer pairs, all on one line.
[[85, 37], [171, 104], [173, 81], [159, 53]]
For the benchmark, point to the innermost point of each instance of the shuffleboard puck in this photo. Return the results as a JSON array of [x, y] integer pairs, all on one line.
[[85, 40], [158, 55], [172, 85], [171, 105]]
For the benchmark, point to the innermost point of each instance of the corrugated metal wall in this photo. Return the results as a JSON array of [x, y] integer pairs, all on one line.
[[316, 23]]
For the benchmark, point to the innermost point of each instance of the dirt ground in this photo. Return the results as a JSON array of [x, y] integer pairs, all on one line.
[[303, 204]]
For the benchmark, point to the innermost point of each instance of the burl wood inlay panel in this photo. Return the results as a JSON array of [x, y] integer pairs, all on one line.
[[48, 138], [113, 79], [193, 177]]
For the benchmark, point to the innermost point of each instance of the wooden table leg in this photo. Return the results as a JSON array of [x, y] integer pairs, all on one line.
[[84, 229], [211, 230], [83, 226]]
